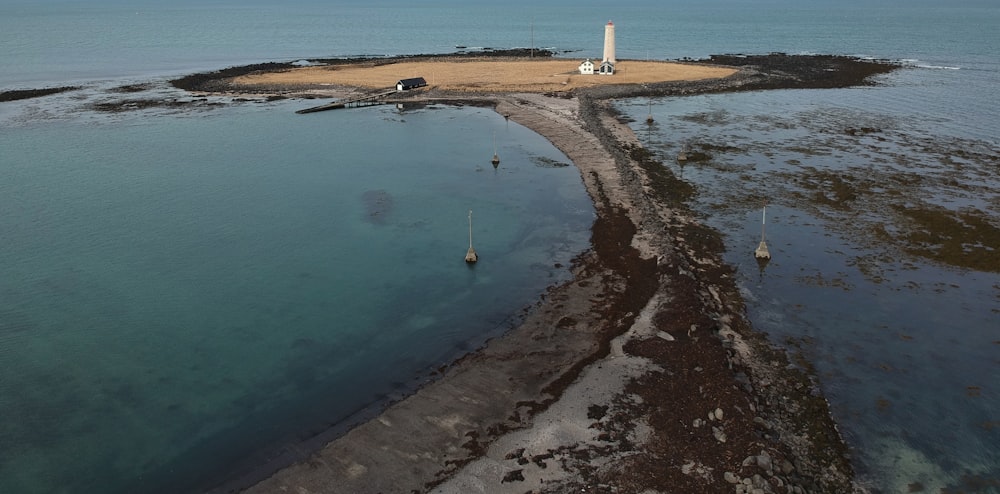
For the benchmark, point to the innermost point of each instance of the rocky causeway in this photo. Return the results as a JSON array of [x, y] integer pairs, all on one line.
[[640, 375]]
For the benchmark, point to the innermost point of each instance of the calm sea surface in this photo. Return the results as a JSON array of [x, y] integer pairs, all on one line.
[[187, 291]]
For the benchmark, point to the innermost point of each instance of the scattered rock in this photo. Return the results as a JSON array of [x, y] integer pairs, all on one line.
[[719, 434], [764, 461], [540, 459], [596, 412], [517, 453], [513, 476]]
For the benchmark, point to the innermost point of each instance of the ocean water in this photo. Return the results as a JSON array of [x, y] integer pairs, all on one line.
[[189, 291]]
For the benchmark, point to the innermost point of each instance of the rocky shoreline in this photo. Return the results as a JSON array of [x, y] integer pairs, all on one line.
[[640, 375], [19, 94]]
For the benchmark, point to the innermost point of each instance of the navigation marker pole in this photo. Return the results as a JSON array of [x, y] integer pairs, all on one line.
[[762, 252], [470, 256]]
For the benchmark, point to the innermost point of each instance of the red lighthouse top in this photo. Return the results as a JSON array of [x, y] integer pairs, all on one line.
[[610, 23]]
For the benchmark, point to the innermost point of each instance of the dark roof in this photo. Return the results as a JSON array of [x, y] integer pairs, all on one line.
[[413, 82]]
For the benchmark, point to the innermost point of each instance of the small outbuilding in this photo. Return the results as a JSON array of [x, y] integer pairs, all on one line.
[[412, 83], [607, 68], [587, 67]]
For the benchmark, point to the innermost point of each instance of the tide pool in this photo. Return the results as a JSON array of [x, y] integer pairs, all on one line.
[[900, 330]]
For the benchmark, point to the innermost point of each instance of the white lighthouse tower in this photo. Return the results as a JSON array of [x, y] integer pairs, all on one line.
[[608, 63], [609, 43]]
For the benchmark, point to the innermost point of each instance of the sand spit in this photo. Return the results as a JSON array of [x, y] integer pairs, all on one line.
[[482, 74], [640, 375]]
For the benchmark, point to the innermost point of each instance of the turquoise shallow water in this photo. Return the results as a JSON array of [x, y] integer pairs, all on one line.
[[213, 284]]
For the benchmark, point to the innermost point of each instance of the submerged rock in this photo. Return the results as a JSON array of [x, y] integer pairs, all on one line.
[[378, 206]]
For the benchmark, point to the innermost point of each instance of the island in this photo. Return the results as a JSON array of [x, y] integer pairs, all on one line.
[[642, 373]]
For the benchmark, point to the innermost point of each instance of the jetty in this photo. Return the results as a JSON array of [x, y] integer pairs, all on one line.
[[373, 98], [370, 99]]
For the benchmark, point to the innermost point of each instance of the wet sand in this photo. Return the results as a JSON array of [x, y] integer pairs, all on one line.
[[639, 375]]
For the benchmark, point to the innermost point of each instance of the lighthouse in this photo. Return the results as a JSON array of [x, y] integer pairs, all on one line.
[[608, 63], [609, 43]]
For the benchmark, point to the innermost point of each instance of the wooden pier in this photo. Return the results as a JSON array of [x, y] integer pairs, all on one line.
[[366, 100]]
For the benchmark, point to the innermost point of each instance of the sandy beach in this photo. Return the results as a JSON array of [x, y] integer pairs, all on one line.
[[535, 75], [642, 373]]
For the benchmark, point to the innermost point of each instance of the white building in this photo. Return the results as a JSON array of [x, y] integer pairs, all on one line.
[[609, 43], [413, 83], [607, 66], [608, 62]]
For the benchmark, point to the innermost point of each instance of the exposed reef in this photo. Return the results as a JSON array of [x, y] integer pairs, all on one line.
[[19, 94]]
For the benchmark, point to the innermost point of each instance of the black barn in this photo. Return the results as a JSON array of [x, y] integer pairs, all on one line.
[[415, 82]]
